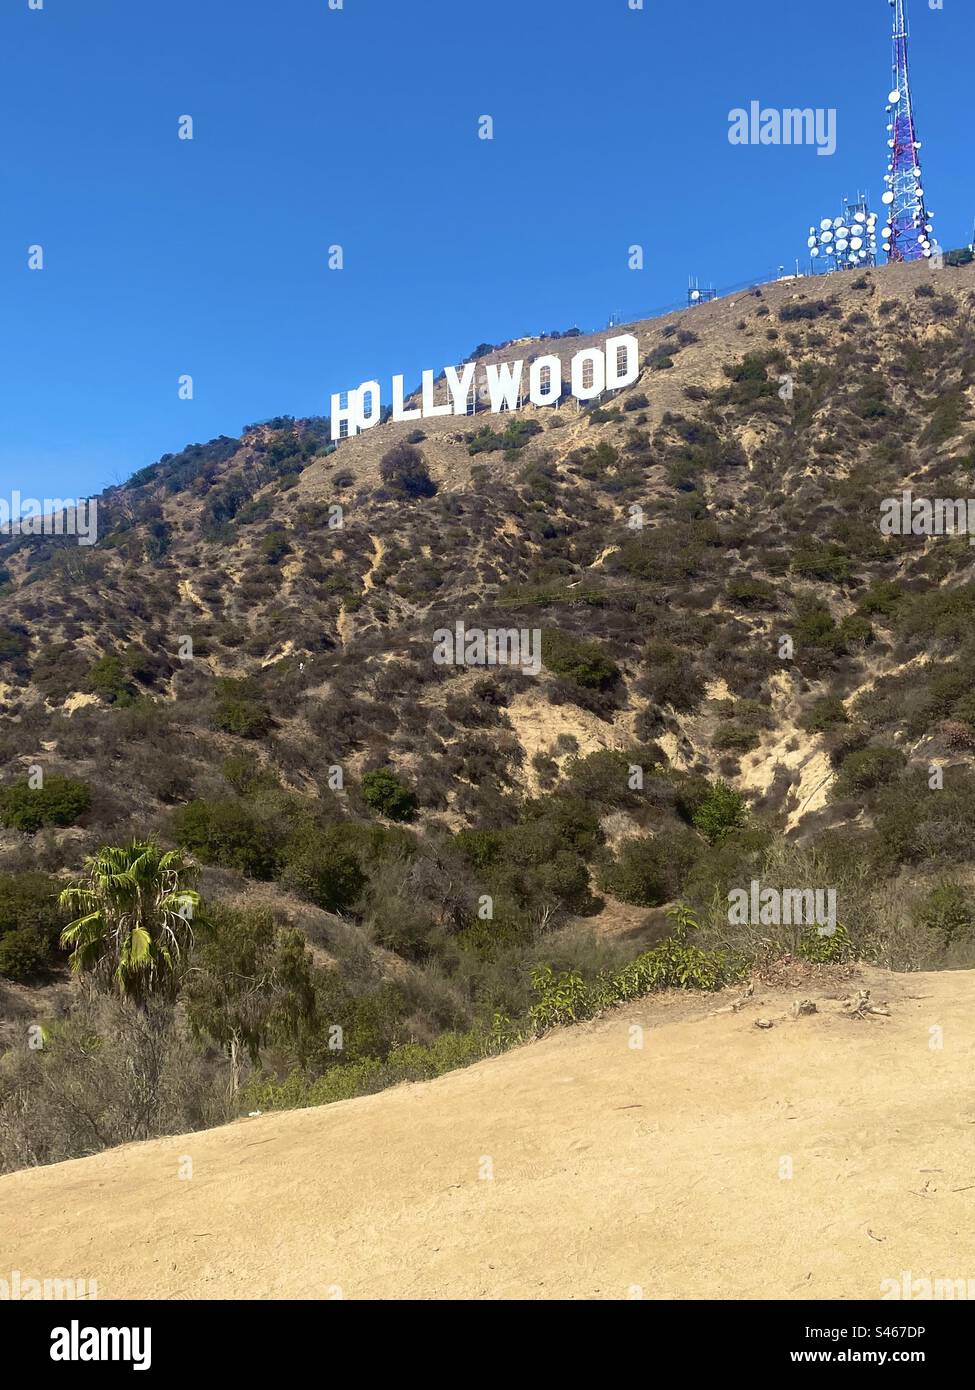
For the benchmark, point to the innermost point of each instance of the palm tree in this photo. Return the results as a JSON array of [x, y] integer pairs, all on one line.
[[133, 929]]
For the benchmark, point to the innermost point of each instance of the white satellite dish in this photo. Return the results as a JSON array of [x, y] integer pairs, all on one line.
[[815, 251], [860, 217], [837, 222], [888, 198], [811, 241], [826, 223], [856, 242], [842, 244], [827, 236], [894, 96]]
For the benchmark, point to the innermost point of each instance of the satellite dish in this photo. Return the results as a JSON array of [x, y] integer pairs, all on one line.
[[928, 252], [842, 244], [856, 242], [815, 251], [860, 217], [894, 97], [811, 241], [837, 222], [826, 223], [888, 198], [827, 236], [695, 294]]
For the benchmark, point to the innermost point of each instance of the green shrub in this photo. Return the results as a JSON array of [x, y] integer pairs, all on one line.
[[649, 871], [325, 871], [866, 769], [946, 418], [943, 613], [826, 950], [949, 912], [881, 599], [811, 309], [577, 660], [275, 546], [24, 954], [603, 778], [14, 647], [403, 470], [751, 593], [677, 964], [109, 679], [239, 711], [722, 811], [826, 711], [563, 997], [383, 792], [244, 773], [227, 833], [829, 563], [671, 678], [736, 738], [513, 438], [30, 900], [61, 801]]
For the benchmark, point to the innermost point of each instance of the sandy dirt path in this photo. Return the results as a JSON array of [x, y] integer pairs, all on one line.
[[579, 1167]]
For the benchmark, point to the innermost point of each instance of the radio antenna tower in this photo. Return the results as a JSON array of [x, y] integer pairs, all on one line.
[[908, 234]]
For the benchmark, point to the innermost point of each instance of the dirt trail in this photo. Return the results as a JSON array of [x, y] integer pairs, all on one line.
[[378, 551], [579, 1167]]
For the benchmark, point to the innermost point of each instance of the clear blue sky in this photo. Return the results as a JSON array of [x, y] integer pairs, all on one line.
[[358, 127]]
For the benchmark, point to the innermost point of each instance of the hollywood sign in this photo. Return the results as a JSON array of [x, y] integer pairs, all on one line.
[[592, 371]]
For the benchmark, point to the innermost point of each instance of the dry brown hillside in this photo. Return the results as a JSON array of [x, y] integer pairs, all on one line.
[[577, 1168], [742, 678]]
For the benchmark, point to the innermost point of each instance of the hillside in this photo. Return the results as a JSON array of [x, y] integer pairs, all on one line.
[[755, 682], [617, 1173]]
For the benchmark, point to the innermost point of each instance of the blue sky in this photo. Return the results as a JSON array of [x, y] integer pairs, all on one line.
[[358, 127]]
